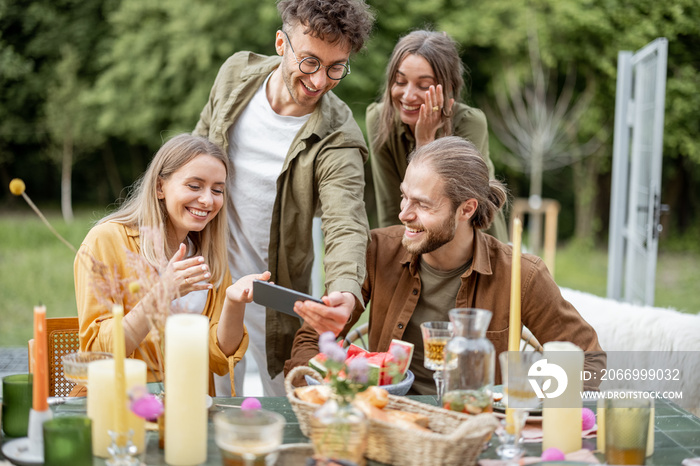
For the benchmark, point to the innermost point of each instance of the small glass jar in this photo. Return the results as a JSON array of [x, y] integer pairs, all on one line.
[[339, 431], [470, 362]]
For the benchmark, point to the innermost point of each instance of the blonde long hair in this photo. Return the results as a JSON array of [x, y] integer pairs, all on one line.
[[142, 208]]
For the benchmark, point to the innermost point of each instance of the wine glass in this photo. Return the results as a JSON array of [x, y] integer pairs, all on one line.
[[248, 436], [519, 398], [435, 337], [75, 365]]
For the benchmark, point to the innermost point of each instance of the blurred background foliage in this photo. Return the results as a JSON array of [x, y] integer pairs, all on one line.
[[89, 89]]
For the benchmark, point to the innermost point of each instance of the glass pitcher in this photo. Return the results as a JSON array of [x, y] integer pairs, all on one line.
[[470, 362]]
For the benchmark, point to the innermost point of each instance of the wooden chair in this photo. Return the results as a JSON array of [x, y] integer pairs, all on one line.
[[63, 338], [358, 335]]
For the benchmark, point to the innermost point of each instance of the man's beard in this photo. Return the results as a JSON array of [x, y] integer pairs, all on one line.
[[434, 238]]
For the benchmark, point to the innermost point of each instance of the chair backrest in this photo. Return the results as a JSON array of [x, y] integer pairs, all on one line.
[[63, 338]]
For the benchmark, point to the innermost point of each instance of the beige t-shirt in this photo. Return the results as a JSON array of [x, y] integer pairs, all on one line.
[[438, 291]]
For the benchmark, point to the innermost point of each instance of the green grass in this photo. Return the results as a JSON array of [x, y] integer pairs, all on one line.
[[677, 274], [37, 268]]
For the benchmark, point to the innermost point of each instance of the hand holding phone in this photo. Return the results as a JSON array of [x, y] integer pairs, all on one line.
[[278, 297]]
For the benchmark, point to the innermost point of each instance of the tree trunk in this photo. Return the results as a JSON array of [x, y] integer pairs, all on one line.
[[111, 170], [66, 172], [585, 174], [535, 201]]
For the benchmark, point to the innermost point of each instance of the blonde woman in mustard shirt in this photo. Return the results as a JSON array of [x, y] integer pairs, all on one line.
[[180, 196]]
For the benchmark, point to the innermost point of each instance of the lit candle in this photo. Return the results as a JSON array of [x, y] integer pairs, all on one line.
[[514, 331], [120, 402], [186, 382], [40, 392], [561, 415], [100, 403]]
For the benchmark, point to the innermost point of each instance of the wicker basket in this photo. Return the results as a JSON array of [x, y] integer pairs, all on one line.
[[456, 438]]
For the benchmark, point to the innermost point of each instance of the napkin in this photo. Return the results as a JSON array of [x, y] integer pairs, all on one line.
[[691, 462], [582, 456]]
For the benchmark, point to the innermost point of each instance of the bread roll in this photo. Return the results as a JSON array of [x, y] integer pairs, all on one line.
[[393, 416], [317, 394], [375, 396], [420, 419]]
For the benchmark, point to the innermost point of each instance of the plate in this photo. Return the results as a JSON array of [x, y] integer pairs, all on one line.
[[531, 418], [500, 406], [17, 451]]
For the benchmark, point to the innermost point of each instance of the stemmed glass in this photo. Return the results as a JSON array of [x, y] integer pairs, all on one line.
[[435, 337], [519, 398]]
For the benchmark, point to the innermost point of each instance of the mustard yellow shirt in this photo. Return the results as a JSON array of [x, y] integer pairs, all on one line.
[[108, 243]]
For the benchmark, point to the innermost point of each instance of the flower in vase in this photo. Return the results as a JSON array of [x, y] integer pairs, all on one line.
[[339, 429], [345, 379]]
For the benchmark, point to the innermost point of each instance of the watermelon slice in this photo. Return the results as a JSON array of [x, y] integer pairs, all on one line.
[[408, 348], [374, 374], [317, 363], [354, 350], [380, 370]]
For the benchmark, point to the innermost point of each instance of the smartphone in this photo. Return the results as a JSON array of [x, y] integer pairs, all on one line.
[[278, 297]]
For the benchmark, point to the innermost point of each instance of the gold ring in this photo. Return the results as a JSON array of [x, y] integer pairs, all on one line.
[[436, 109]]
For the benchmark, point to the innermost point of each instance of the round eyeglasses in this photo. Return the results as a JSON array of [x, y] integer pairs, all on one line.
[[310, 65]]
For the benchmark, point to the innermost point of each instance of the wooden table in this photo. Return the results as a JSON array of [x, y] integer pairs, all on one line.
[[677, 432]]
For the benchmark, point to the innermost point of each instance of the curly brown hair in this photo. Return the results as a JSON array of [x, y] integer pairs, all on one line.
[[345, 22]]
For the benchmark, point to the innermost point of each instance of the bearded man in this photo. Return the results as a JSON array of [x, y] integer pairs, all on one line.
[[440, 259]]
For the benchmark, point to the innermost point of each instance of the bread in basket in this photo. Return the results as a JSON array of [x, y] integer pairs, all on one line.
[[454, 438]]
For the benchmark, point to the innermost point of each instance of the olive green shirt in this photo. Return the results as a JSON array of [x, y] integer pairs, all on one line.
[[389, 162], [323, 173]]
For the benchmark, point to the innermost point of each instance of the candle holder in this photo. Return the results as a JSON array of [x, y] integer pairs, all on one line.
[[122, 450], [519, 398], [29, 449]]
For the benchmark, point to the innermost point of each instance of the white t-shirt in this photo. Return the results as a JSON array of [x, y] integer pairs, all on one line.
[[258, 145]]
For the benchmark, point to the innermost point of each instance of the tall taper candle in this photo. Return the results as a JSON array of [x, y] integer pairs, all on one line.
[[561, 415], [40, 392], [186, 382], [100, 403], [514, 330], [120, 403]]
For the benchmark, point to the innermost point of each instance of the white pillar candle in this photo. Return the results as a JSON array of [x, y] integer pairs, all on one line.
[[101, 398], [186, 384], [561, 416]]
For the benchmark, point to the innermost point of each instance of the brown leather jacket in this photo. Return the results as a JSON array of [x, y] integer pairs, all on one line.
[[393, 286]]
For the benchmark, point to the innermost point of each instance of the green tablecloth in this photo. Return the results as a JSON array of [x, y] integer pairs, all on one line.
[[677, 432]]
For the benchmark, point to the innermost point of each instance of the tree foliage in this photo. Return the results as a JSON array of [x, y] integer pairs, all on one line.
[[127, 73]]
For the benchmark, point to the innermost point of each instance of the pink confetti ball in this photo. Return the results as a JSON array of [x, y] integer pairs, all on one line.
[[147, 407], [587, 418], [553, 454], [251, 404]]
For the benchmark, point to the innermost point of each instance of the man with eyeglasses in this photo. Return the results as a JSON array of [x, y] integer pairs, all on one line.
[[296, 152]]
